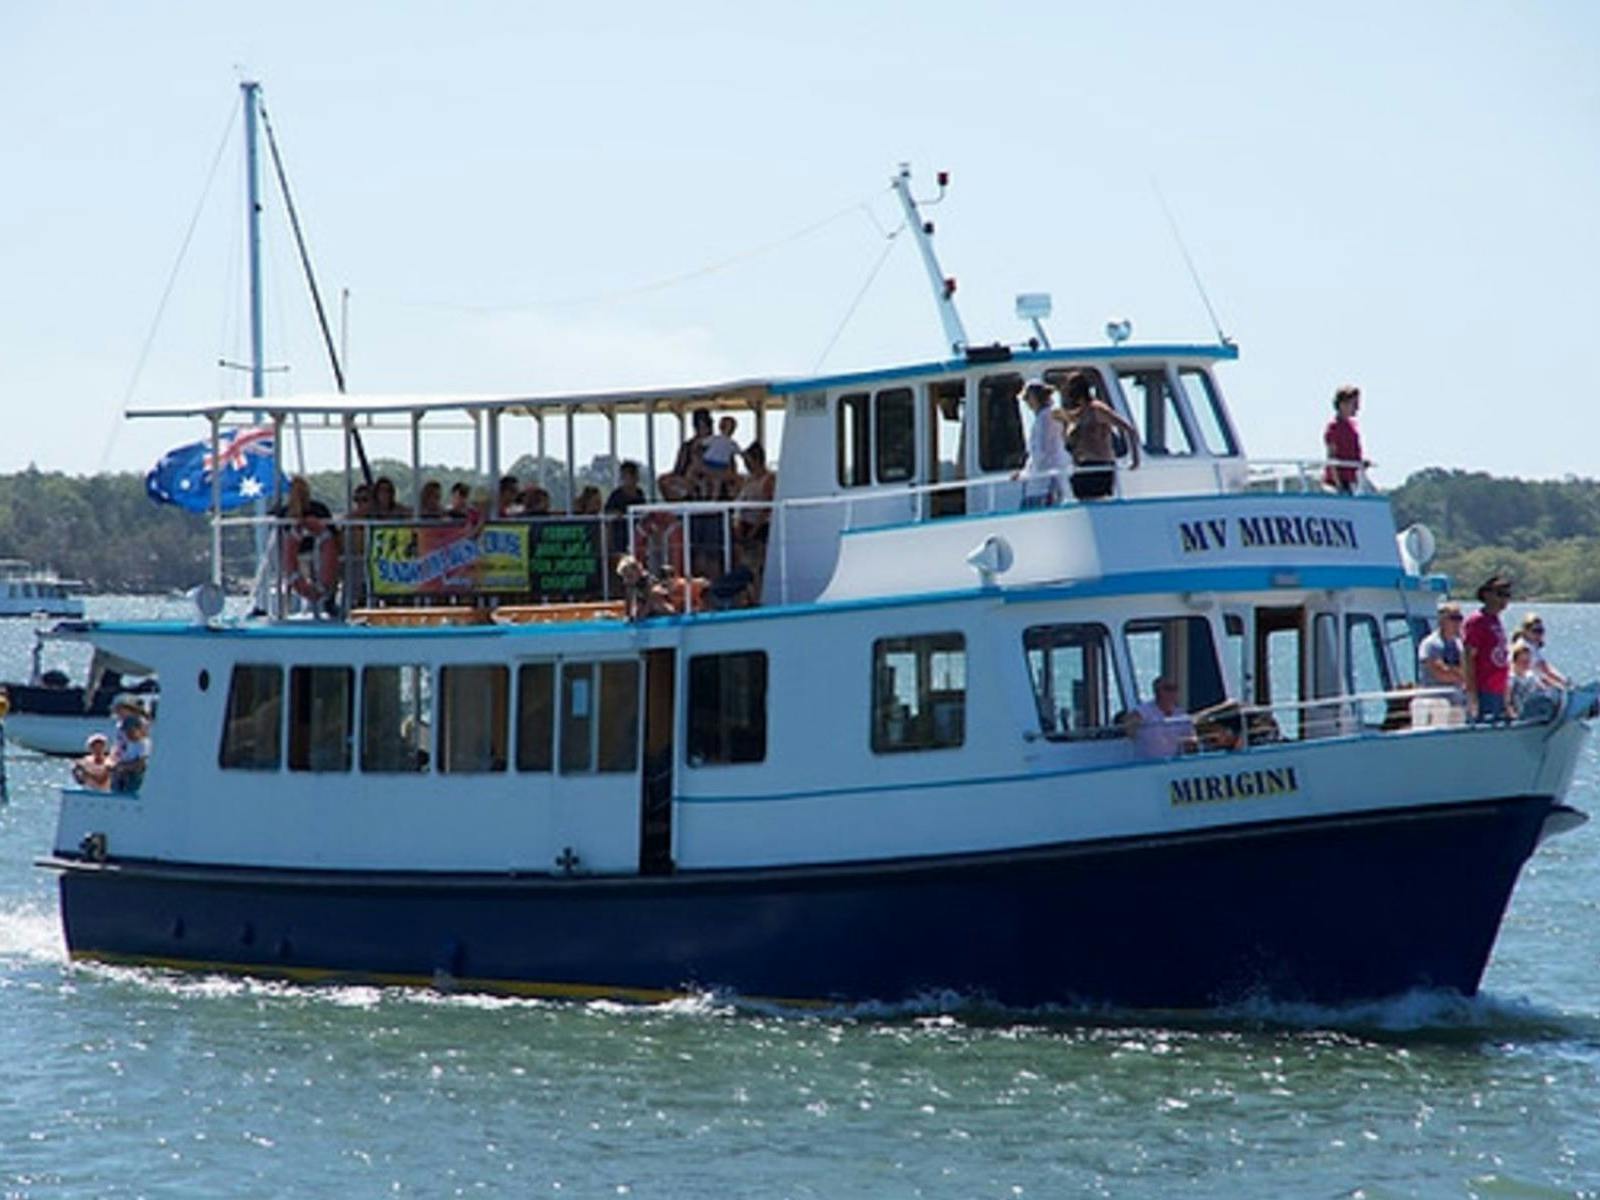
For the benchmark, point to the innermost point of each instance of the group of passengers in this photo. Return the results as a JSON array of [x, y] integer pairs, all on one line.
[[682, 560], [1083, 435], [1488, 675], [117, 763]]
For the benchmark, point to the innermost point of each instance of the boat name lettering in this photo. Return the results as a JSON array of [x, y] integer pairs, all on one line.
[[1248, 533], [1238, 785]]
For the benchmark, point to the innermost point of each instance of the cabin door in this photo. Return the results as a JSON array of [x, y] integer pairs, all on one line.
[[594, 798], [655, 808], [944, 456]]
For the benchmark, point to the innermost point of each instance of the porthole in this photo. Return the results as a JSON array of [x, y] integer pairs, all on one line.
[[205, 679]]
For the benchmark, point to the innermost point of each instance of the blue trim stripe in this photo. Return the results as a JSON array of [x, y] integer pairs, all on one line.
[[1018, 359]]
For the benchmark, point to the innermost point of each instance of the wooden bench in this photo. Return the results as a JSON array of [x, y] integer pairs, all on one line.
[[442, 614], [547, 614]]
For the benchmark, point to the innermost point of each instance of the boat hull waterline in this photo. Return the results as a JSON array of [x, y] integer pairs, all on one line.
[[1324, 911]]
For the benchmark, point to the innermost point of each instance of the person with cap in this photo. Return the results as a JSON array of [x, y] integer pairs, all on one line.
[[1486, 656], [1531, 631], [1047, 449], [1439, 655], [93, 770]]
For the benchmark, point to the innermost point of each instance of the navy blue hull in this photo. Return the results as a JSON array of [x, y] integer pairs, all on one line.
[[1327, 911]]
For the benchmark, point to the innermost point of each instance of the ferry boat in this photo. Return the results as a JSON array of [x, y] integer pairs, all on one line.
[[29, 591], [894, 763]]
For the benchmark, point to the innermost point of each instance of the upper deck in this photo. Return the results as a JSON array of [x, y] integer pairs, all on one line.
[[917, 448]]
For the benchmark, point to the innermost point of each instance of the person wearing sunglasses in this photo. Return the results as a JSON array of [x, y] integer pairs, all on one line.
[[1531, 631], [1439, 655], [1486, 657]]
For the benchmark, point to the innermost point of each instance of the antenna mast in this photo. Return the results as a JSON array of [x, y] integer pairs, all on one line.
[[944, 286]]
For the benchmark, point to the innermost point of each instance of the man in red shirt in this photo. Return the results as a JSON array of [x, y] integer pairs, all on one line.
[[1485, 662], [1342, 440]]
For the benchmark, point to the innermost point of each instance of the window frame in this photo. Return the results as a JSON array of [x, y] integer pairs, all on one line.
[[923, 723], [887, 437], [230, 718], [1110, 696], [445, 755], [756, 684]]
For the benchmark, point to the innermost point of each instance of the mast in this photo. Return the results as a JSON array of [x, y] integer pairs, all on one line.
[[944, 287], [258, 369]]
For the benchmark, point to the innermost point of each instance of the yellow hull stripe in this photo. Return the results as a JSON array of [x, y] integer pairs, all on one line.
[[440, 983]]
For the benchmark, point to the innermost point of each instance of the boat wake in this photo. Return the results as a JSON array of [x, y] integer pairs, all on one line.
[[30, 933]]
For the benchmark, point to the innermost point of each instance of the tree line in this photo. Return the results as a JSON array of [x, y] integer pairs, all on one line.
[[104, 530]]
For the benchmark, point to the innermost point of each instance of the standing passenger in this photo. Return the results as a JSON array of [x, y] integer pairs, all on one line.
[[1047, 449], [1439, 655], [1342, 440], [1091, 427], [1532, 631], [1486, 660]]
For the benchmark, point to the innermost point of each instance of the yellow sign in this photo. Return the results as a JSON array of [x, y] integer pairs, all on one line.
[[421, 560]]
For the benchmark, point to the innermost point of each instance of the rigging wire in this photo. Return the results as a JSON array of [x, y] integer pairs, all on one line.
[[1194, 274], [172, 279], [890, 240], [671, 281]]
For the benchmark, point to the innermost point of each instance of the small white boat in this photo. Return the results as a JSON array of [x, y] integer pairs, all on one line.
[[26, 591], [52, 715]]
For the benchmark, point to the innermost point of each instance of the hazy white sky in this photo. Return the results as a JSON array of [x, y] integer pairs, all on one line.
[[1404, 196]]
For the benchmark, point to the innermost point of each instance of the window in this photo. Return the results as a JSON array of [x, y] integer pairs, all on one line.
[[1366, 671], [855, 462], [1073, 681], [536, 716], [1002, 445], [252, 726], [321, 708], [599, 716], [472, 719], [894, 435], [727, 708], [1404, 634], [919, 692], [1206, 408], [1181, 649], [1155, 411], [395, 716]]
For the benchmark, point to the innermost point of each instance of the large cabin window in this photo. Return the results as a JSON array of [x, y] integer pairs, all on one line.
[[853, 441], [253, 723], [1366, 670], [727, 708], [1002, 443], [321, 708], [536, 716], [1206, 407], [1074, 684], [394, 719], [1403, 635], [1155, 411], [599, 716], [894, 416], [1180, 649], [919, 692], [472, 719]]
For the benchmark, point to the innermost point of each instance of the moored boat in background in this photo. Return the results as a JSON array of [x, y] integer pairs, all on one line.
[[28, 591]]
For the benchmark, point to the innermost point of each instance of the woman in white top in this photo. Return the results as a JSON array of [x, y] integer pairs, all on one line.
[[1047, 449], [1531, 631]]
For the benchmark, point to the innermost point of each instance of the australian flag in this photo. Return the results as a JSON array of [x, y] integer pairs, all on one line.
[[244, 460]]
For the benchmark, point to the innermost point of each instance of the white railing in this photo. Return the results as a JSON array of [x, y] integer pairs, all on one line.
[[1304, 474]]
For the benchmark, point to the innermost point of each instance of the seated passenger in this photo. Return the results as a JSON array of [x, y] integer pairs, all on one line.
[[1527, 697], [1160, 728], [132, 756], [534, 502], [385, 505], [430, 504], [93, 770], [1531, 631], [508, 501], [460, 502], [589, 502]]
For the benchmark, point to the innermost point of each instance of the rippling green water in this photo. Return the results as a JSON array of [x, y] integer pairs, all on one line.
[[135, 1083]]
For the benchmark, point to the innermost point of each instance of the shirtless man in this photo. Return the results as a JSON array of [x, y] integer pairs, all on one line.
[[1090, 428]]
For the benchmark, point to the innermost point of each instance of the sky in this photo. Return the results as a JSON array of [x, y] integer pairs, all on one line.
[[533, 198]]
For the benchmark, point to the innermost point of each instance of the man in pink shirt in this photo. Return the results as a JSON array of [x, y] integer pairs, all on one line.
[[1342, 439], [1485, 662]]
